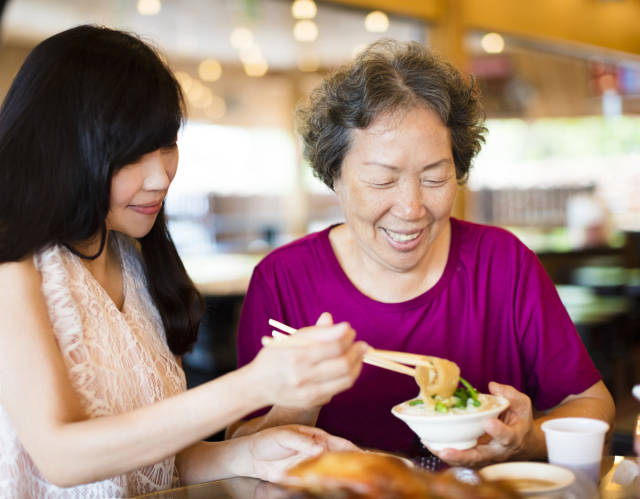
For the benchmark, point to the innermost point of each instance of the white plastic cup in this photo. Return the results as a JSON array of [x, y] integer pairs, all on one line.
[[576, 443]]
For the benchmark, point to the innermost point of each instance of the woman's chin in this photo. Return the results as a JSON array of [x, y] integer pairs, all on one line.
[[401, 263], [135, 232]]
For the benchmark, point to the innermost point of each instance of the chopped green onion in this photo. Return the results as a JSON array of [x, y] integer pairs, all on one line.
[[462, 395], [416, 402], [440, 407], [472, 391]]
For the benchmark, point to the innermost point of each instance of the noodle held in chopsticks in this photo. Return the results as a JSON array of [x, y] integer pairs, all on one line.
[[441, 378]]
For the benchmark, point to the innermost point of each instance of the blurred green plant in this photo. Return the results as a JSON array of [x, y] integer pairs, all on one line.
[[563, 137]]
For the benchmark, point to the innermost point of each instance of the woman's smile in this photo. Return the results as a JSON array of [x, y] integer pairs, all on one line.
[[147, 209], [403, 241]]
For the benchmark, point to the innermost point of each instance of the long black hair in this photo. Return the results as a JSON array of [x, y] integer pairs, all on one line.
[[85, 103]]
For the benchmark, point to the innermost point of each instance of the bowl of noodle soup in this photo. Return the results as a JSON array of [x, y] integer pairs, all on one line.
[[445, 414], [456, 429]]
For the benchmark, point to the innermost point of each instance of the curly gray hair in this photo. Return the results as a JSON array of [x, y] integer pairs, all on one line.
[[389, 76]]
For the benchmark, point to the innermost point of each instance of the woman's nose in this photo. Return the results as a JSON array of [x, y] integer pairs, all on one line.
[[158, 174], [409, 204]]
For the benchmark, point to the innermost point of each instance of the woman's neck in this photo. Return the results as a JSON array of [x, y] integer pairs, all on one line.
[[106, 268]]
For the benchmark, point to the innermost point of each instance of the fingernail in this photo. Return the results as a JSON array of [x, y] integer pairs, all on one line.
[[342, 327]]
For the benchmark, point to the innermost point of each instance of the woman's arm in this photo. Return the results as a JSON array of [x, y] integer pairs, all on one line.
[[70, 449], [595, 402], [516, 435]]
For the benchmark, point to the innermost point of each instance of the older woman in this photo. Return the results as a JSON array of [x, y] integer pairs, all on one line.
[[393, 134]]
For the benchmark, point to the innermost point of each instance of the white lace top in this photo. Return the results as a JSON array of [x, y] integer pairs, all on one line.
[[117, 361]]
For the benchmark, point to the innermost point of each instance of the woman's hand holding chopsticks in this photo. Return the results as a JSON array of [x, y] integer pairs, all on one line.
[[312, 367]]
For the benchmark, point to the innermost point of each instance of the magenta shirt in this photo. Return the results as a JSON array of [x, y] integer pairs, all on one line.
[[494, 312]]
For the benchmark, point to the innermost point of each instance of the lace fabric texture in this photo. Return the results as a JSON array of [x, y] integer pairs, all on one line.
[[117, 361]]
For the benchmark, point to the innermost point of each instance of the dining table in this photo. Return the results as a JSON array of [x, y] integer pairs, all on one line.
[[618, 480]]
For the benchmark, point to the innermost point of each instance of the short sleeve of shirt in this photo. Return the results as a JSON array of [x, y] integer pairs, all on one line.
[[555, 361], [258, 306]]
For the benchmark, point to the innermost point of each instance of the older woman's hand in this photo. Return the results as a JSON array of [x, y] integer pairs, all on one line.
[[273, 451], [505, 437], [319, 362]]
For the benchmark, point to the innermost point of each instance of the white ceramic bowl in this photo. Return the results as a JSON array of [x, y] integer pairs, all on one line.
[[454, 431]]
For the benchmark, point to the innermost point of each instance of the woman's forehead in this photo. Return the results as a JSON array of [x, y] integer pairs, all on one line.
[[414, 138], [399, 126]]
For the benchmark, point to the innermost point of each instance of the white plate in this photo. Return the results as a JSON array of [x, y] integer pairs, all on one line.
[[530, 477]]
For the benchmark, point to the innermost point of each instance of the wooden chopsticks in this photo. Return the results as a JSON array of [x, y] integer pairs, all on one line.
[[413, 359], [386, 359]]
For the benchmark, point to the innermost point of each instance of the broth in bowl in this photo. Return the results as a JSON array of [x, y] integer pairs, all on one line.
[[418, 407]]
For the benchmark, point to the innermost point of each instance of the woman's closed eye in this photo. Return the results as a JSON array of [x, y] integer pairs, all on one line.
[[435, 181], [380, 183]]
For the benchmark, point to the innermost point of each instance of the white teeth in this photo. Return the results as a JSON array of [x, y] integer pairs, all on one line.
[[402, 238]]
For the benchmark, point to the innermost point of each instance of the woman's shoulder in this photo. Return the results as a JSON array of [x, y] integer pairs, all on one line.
[[486, 238], [16, 272], [483, 249], [20, 285]]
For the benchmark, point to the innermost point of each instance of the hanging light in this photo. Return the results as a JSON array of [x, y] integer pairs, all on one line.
[[205, 98], [376, 22], [308, 63], [492, 43], [185, 81], [196, 91], [149, 7], [254, 63], [241, 38], [209, 70], [256, 68], [305, 31], [304, 9], [217, 108], [251, 54]]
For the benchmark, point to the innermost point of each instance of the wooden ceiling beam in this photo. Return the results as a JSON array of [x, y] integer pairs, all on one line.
[[427, 10], [607, 24]]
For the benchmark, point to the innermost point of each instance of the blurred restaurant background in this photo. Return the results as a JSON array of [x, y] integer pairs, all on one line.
[[561, 166]]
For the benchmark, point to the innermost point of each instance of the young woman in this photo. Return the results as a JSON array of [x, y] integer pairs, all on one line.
[[96, 307]]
